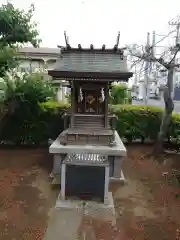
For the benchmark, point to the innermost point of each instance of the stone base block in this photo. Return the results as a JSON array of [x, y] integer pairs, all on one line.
[[117, 179], [104, 211]]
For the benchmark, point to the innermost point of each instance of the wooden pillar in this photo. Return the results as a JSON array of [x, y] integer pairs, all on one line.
[[106, 93], [72, 103]]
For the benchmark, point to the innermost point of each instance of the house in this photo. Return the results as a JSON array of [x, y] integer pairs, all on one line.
[[43, 59]]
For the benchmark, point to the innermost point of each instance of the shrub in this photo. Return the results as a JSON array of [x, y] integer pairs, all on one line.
[[37, 128], [120, 94], [28, 118], [2, 90], [137, 122], [133, 123]]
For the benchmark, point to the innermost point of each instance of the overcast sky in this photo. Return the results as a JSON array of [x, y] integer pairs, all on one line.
[[98, 21]]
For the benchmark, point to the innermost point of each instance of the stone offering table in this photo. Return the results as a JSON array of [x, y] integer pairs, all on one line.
[[114, 153]]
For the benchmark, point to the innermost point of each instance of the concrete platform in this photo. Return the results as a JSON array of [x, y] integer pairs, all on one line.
[[117, 150], [67, 216]]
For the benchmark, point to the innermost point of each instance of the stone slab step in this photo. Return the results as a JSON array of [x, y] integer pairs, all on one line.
[[64, 224]]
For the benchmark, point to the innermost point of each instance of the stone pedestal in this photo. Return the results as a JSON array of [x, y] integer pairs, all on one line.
[[115, 155], [63, 182]]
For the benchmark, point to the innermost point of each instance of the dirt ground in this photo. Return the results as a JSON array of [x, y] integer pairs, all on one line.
[[26, 196], [147, 208]]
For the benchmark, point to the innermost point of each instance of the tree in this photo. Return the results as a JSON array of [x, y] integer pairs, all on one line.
[[167, 92], [7, 59], [16, 27], [29, 89]]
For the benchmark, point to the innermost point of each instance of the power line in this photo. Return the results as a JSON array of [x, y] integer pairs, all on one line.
[[149, 52], [161, 55], [155, 44], [175, 50], [163, 38]]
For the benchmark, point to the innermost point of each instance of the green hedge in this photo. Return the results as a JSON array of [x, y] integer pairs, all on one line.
[[137, 122], [143, 122], [34, 126], [134, 122]]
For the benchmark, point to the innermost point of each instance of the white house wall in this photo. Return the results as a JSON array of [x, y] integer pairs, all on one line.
[[28, 65], [32, 59]]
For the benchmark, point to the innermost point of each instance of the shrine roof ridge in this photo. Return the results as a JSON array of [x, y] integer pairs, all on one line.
[[91, 49]]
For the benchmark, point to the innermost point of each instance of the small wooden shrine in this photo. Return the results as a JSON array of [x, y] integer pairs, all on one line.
[[90, 73]]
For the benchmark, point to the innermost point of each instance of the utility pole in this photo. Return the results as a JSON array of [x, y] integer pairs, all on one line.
[[153, 43], [147, 52], [135, 74], [175, 48], [153, 55]]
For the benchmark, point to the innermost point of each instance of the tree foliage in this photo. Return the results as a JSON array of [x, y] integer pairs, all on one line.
[[7, 59], [2, 90], [28, 88], [16, 27], [24, 93]]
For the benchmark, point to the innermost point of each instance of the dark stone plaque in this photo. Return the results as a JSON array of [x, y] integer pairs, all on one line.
[[85, 182]]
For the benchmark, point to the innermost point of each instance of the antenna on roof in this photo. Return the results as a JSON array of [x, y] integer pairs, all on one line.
[[91, 47], [118, 38], [79, 46], [103, 47], [66, 39]]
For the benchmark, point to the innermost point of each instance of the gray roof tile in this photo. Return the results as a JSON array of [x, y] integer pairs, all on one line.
[[91, 61]]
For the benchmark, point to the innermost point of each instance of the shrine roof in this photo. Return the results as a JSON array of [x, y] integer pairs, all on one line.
[[91, 63]]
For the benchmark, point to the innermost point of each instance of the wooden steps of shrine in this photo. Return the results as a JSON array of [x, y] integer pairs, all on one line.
[[90, 121], [87, 123], [83, 136]]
